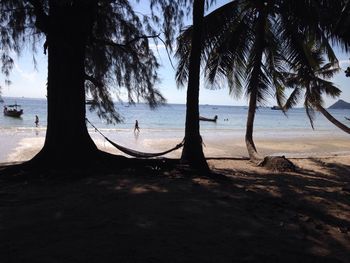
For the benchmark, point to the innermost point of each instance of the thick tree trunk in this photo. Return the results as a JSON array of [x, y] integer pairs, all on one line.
[[333, 120], [192, 152], [67, 140]]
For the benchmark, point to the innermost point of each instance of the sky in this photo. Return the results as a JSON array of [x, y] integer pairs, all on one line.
[[29, 81]]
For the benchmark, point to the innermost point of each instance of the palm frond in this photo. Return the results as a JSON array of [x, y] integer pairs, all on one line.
[[183, 52], [328, 70], [326, 87], [293, 98]]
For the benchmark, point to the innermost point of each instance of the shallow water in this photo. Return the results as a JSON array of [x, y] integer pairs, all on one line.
[[171, 117], [163, 128]]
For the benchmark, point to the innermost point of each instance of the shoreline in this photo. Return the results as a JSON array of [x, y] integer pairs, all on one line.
[[22, 146]]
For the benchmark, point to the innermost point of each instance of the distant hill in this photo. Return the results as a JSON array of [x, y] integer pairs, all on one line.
[[340, 104]]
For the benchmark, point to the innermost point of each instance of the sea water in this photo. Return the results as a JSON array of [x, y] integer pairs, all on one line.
[[171, 117], [163, 127]]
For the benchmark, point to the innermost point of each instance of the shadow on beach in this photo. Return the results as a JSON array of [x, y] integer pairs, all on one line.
[[245, 214]]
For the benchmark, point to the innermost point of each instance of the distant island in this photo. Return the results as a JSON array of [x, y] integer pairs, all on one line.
[[340, 104]]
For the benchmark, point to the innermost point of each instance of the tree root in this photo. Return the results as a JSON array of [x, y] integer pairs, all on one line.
[[102, 163]]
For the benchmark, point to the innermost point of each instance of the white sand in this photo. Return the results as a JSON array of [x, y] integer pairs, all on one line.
[[23, 145]]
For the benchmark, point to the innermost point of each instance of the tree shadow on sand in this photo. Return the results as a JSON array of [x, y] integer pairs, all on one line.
[[155, 214]]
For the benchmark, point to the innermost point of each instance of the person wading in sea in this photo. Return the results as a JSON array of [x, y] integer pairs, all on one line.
[[137, 128], [36, 120]]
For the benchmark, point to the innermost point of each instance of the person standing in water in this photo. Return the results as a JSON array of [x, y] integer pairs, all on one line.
[[36, 120], [136, 128]]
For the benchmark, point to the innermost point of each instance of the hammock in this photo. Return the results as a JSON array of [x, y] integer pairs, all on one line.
[[133, 152]]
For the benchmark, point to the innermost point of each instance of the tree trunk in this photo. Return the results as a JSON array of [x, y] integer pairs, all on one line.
[[67, 139], [332, 119], [253, 153], [192, 152], [256, 71]]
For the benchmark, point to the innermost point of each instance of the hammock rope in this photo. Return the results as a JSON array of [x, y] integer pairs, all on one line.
[[132, 152]]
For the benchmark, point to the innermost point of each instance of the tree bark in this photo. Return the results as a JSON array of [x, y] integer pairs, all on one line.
[[256, 71], [67, 139], [333, 120], [253, 153], [192, 152]]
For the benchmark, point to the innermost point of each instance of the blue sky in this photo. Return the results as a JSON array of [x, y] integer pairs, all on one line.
[[28, 81]]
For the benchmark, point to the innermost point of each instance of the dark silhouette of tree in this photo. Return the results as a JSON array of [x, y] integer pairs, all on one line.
[[94, 47], [192, 152], [253, 42], [347, 72], [338, 22], [341, 23], [311, 81]]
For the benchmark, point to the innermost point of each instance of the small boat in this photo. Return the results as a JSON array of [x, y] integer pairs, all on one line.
[[276, 108], [13, 110], [346, 118], [208, 119]]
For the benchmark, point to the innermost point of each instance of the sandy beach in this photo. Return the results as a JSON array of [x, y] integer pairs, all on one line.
[[243, 213], [22, 145], [270, 76]]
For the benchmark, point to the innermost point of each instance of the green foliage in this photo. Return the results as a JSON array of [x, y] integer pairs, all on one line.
[[253, 43], [17, 29], [119, 55], [309, 80]]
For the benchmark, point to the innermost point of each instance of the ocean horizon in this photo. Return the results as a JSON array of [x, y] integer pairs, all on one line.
[[163, 127], [172, 117]]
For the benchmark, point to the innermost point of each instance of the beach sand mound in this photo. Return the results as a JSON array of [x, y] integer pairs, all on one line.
[[165, 215]]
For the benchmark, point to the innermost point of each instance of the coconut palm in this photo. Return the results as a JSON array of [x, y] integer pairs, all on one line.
[[311, 80], [251, 43], [342, 23]]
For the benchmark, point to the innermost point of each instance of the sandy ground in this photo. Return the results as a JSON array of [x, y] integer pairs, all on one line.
[[23, 146], [243, 213]]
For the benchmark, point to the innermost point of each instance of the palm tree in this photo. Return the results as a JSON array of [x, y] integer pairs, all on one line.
[[342, 22], [312, 78], [254, 42], [192, 152]]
